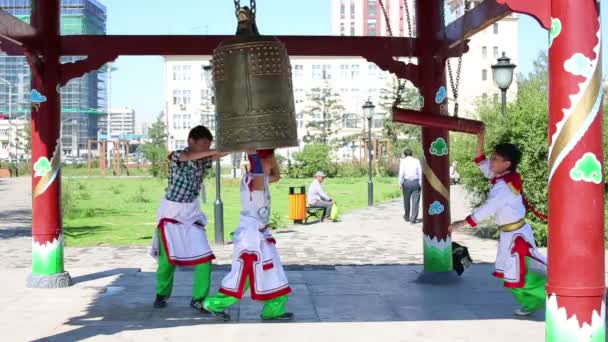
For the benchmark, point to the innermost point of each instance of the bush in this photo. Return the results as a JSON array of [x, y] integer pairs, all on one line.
[[157, 155], [277, 222], [139, 196], [313, 158], [116, 190], [389, 167], [351, 169], [67, 200]]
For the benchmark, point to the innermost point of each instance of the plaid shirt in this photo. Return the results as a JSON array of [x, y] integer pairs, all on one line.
[[185, 178]]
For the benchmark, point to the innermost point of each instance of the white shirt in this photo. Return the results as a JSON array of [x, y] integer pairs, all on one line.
[[315, 193], [409, 169]]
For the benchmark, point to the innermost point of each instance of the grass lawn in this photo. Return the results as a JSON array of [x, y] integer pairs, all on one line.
[[122, 211]]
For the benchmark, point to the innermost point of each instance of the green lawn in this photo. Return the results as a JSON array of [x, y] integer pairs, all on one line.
[[123, 211]]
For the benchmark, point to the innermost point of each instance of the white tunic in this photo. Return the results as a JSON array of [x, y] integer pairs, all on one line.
[[255, 255], [505, 204], [182, 232]]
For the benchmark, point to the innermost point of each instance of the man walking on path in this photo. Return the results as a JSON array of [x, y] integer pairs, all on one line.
[[410, 180]]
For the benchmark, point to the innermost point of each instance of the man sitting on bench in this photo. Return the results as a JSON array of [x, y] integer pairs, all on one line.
[[317, 197]]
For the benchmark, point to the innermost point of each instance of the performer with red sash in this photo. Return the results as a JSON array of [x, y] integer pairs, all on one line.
[[518, 262]]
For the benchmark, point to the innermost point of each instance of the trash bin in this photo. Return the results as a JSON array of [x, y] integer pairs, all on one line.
[[297, 204]]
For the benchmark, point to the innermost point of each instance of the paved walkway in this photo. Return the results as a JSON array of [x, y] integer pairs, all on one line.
[[354, 280]]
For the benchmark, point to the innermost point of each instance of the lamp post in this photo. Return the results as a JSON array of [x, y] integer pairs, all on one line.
[[368, 111], [218, 206], [111, 68], [502, 72]]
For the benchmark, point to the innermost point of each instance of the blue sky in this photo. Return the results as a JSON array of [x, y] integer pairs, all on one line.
[[139, 81]]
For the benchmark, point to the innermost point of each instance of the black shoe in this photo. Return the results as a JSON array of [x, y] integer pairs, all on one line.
[[406, 219], [221, 315], [288, 316], [160, 301], [198, 305]]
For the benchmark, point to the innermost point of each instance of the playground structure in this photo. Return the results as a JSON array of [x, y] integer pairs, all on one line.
[[119, 156], [575, 301]]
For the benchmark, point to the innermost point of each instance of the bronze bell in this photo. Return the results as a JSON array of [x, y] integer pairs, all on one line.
[[253, 91]]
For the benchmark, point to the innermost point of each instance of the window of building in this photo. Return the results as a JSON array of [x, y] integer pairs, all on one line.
[[317, 74], [372, 70], [351, 120], [326, 71], [177, 72], [484, 74], [354, 71], [495, 50], [495, 97], [378, 121], [484, 97], [352, 9], [371, 8], [180, 144], [176, 121], [484, 51], [186, 121], [352, 28], [177, 94], [187, 72], [342, 29], [344, 71], [298, 71], [342, 8], [495, 28]]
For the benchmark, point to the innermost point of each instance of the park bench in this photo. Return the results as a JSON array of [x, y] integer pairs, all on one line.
[[315, 212]]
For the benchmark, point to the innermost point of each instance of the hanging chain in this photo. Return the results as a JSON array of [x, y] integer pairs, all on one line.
[[455, 85], [388, 23], [252, 5], [409, 28]]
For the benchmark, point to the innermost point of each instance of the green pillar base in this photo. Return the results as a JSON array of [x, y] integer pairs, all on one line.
[[49, 281], [437, 254], [560, 328]]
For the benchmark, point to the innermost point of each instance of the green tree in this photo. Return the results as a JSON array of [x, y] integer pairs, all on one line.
[[525, 125], [156, 151], [325, 113], [402, 94], [313, 158]]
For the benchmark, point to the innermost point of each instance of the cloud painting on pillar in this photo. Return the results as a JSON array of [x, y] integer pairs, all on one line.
[[561, 328], [436, 208], [37, 98], [441, 95], [439, 147], [437, 254], [556, 29], [587, 169]]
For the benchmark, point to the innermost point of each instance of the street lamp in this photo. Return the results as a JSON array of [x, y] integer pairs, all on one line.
[[219, 206], [502, 72], [368, 112]]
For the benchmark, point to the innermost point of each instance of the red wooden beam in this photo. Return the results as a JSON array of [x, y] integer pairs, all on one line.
[[132, 45], [414, 117], [15, 30], [477, 19], [10, 47], [538, 9]]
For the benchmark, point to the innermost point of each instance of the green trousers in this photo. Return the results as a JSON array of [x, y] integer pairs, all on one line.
[[532, 296], [165, 274], [272, 308]]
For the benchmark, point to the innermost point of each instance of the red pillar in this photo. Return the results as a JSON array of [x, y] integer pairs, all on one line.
[[575, 286], [47, 244], [435, 196]]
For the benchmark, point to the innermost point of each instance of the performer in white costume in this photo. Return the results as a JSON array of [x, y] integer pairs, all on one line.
[[256, 264], [180, 238], [518, 262]]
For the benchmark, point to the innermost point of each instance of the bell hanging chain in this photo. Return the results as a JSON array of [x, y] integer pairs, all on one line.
[[456, 85]]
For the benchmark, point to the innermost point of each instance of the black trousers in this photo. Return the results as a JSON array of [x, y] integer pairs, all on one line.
[[411, 195]]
